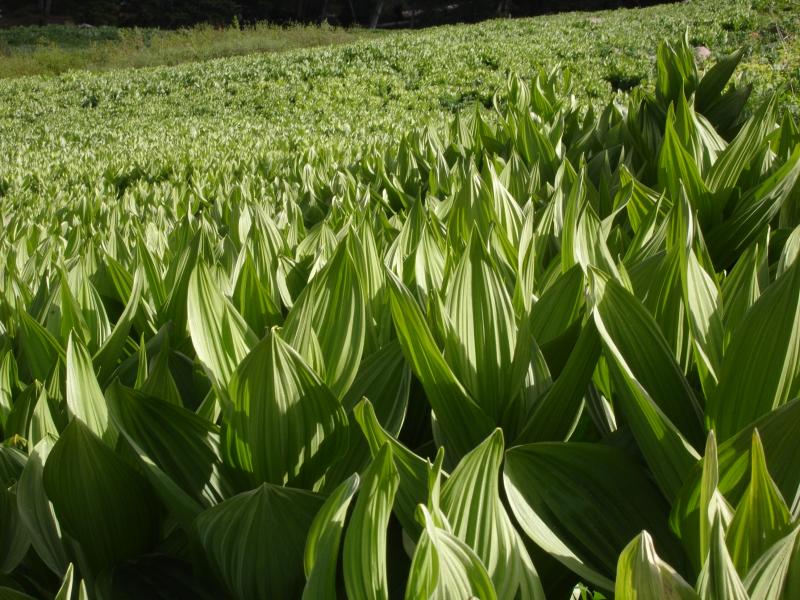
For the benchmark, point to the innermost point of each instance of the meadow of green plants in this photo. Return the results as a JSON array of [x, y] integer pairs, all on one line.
[[423, 316]]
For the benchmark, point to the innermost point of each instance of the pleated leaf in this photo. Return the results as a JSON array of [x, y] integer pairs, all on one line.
[[641, 574], [445, 567], [718, 580], [285, 425], [172, 442], [632, 339], [220, 335], [463, 423], [482, 339], [365, 570], [37, 512], [470, 499], [776, 574], [99, 499], [324, 537], [761, 369], [761, 517], [333, 306], [254, 541], [85, 399], [413, 471], [553, 490]]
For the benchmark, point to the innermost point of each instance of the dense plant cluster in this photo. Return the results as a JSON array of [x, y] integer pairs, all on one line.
[[537, 347]]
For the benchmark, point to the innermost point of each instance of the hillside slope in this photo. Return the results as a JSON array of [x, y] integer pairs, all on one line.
[[75, 127]]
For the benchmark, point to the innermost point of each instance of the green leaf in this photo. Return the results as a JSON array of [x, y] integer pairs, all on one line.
[[85, 399], [106, 358], [718, 580], [761, 517], [67, 589], [702, 300], [172, 443], [632, 339], [697, 506], [554, 490], [753, 213], [14, 537], [412, 470], [713, 480], [776, 574], [743, 150], [716, 79], [554, 414], [40, 350], [285, 426], [470, 499], [445, 567], [100, 500], [322, 544], [462, 421], [365, 539], [761, 368], [254, 541], [641, 574], [677, 170], [333, 305], [559, 307], [220, 336], [36, 511], [481, 341]]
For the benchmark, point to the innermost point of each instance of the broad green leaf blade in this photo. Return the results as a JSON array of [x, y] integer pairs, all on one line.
[[100, 500], [753, 213], [761, 369], [553, 415], [39, 350], [333, 305], [220, 336], [702, 300], [761, 517], [37, 512], [642, 575], [384, 378], [254, 541], [110, 352], [668, 454], [471, 502], [482, 339], [285, 426], [14, 537], [68, 584], [84, 397], [677, 170], [412, 470], [462, 421], [632, 339], [322, 544], [445, 567], [776, 574], [712, 502], [718, 580], [715, 479], [365, 539], [563, 515], [743, 150], [184, 446]]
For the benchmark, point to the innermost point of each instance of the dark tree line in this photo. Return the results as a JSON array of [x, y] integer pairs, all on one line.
[[367, 13]]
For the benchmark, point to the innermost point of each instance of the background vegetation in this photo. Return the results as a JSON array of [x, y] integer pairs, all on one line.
[[368, 13]]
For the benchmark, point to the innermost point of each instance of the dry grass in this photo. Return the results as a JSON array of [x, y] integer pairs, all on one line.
[[57, 49]]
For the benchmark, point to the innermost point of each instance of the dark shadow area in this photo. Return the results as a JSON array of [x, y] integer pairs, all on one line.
[[365, 13]]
